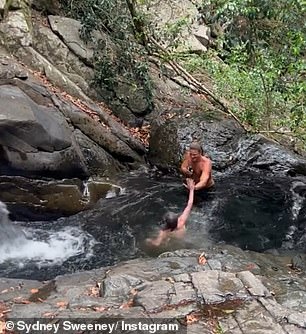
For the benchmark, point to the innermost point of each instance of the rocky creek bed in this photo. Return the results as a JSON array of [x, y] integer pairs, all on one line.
[[235, 291]]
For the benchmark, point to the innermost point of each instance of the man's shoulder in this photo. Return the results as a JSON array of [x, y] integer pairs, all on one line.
[[205, 161], [186, 155], [205, 158]]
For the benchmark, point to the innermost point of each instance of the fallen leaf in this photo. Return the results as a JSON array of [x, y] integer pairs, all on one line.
[[34, 290], [17, 298], [99, 308], [202, 259], [93, 292], [62, 304], [192, 318], [128, 304], [228, 311], [4, 291], [25, 301], [49, 315]]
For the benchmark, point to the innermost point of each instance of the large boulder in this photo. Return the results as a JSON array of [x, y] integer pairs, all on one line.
[[35, 137], [15, 29], [180, 18], [44, 133], [69, 32]]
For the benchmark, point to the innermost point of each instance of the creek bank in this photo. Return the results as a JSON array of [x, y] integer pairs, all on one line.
[[228, 292], [28, 198]]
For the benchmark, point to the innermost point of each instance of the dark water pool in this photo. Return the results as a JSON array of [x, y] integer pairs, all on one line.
[[251, 211]]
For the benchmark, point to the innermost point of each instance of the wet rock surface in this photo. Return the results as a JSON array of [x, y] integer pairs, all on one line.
[[227, 293], [32, 199]]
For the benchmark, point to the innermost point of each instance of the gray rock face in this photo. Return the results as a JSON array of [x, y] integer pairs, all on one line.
[[15, 30], [35, 137], [37, 126], [42, 133], [69, 31], [208, 301], [52, 48]]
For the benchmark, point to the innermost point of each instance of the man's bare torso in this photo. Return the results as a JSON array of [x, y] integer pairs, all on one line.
[[198, 167]]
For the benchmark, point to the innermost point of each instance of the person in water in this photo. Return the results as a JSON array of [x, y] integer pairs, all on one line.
[[174, 224], [197, 167]]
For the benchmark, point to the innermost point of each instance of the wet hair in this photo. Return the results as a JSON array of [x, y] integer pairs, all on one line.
[[170, 221], [196, 146]]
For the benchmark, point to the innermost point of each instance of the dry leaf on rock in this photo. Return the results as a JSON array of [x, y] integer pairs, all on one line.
[[128, 304], [62, 304], [34, 290], [93, 292], [202, 259], [19, 300], [99, 308], [25, 301], [228, 311], [49, 315], [192, 318]]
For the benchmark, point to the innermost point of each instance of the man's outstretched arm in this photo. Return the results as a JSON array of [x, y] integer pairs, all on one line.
[[184, 216]]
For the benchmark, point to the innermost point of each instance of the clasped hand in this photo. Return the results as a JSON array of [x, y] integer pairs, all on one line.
[[190, 184]]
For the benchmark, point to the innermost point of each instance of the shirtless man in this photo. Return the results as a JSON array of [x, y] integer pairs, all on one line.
[[198, 167], [174, 224]]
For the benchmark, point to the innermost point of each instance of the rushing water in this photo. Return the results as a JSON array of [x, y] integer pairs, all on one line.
[[251, 211]]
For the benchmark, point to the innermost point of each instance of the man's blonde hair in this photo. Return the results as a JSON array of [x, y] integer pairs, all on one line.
[[196, 146]]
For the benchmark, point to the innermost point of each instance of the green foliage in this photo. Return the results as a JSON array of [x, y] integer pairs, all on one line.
[[119, 57], [264, 47]]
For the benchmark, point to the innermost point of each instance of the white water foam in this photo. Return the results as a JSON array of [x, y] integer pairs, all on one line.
[[297, 204], [53, 249], [22, 245]]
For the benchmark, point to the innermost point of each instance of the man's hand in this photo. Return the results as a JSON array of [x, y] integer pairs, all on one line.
[[190, 184], [189, 171]]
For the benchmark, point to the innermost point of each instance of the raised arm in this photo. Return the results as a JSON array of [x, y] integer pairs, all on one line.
[[204, 176], [184, 216]]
